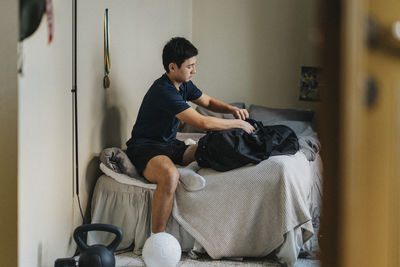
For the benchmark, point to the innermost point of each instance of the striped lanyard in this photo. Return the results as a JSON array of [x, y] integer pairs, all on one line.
[[107, 63]]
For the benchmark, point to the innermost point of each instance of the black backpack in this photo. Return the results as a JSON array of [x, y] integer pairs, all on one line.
[[225, 150]]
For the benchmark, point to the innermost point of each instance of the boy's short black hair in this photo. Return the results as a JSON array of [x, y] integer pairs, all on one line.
[[177, 50]]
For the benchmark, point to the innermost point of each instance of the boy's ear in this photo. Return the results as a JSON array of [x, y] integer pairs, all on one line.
[[172, 66]]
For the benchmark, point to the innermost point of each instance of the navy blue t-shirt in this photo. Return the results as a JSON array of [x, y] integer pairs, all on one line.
[[156, 122]]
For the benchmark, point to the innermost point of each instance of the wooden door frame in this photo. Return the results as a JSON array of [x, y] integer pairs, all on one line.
[[328, 123], [360, 219]]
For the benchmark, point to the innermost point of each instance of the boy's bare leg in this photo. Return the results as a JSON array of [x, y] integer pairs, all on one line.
[[162, 171]]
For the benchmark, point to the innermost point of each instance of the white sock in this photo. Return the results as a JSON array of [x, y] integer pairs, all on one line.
[[194, 166], [190, 180]]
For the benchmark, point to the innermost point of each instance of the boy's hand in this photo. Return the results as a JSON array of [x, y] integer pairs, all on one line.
[[247, 127], [240, 113]]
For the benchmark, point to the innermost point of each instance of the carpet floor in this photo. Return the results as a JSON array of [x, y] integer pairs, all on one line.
[[131, 260]]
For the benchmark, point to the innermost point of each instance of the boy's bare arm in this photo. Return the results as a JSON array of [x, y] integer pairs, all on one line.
[[197, 120], [220, 107]]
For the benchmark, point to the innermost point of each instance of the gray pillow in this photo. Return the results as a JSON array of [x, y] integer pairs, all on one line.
[[186, 128], [118, 161], [266, 114]]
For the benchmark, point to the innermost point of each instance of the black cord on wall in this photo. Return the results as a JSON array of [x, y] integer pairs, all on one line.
[[74, 91]]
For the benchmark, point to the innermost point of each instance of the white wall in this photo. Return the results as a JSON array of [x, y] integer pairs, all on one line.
[[45, 150], [48, 210], [8, 132], [252, 50]]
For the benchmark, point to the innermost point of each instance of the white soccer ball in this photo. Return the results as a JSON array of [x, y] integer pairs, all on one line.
[[161, 250]]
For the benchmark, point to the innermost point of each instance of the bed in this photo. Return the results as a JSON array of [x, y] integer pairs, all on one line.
[[271, 208]]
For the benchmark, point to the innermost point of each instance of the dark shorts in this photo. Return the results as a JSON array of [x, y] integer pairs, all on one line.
[[141, 155]]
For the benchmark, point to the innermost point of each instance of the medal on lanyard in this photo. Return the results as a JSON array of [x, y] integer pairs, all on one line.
[[107, 63]]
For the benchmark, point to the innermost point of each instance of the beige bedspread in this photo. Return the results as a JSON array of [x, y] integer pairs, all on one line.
[[247, 211]]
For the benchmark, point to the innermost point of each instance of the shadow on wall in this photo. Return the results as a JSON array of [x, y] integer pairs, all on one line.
[[111, 128], [110, 137], [40, 253], [93, 172]]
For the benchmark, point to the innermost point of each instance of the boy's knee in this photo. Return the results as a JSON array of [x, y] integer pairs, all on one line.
[[169, 181]]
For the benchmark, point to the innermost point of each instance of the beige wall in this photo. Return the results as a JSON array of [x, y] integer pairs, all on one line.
[[252, 50], [138, 29], [8, 133]]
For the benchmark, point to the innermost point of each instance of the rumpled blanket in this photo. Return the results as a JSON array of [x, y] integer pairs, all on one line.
[[247, 211], [118, 161]]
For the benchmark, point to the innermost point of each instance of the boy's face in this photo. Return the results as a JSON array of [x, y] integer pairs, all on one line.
[[186, 71]]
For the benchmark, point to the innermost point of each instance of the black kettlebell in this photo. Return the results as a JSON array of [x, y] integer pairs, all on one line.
[[97, 255]]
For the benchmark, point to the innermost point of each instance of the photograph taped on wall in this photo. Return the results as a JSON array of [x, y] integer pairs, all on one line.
[[310, 83]]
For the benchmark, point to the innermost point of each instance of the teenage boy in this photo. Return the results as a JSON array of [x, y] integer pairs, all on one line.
[[153, 147]]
